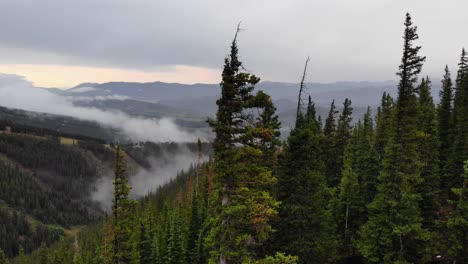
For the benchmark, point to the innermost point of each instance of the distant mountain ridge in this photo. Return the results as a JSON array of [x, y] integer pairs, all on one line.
[[195, 102], [360, 93]]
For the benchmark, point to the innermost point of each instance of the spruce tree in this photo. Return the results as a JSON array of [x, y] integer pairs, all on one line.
[[305, 227], [144, 245], [457, 223], [329, 149], [175, 242], [241, 205], [21, 256], [383, 123], [358, 184], [459, 152], [394, 232], [428, 156], [343, 134], [42, 254], [123, 247], [194, 229], [106, 241], [445, 129], [3, 258]]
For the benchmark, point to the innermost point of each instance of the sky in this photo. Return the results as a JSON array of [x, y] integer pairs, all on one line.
[[62, 43]]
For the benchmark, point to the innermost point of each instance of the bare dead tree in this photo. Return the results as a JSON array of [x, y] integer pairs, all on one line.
[[301, 89]]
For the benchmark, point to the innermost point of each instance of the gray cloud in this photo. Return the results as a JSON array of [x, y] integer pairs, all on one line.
[[347, 40]]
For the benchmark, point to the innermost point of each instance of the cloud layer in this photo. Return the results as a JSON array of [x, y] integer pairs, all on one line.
[[346, 40], [16, 92]]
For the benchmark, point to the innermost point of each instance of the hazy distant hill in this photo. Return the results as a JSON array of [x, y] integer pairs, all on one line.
[[181, 95], [191, 104]]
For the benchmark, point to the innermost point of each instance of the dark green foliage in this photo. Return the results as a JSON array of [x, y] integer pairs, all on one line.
[[428, 156], [63, 167], [123, 224], [14, 225], [21, 190], [458, 222], [304, 228], [343, 134], [383, 125], [3, 258], [445, 128], [144, 245], [328, 147], [460, 143], [241, 206], [393, 233], [358, 184]]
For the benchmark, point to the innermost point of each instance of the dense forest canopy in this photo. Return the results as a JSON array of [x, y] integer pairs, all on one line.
[[389, 188]]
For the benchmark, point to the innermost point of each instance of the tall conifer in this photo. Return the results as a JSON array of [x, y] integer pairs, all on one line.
[[394, 233], [445, 129]]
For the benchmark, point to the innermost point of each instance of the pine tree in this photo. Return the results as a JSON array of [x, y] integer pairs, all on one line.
[[106, 241], [144, 245], [21, 256], [3, 258], [393, 233], [343, 134], [460, 142], [194, 229], [445, 128], [330, 122], [462, 68], [358, 184], [175, 242], [241, 205], [305, 228], [457, 223], [42, 254], [429, 156], [383, 123], [123, 248], [329, 147]]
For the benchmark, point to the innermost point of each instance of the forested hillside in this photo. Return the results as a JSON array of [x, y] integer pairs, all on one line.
[[389, 188], [47, 178]]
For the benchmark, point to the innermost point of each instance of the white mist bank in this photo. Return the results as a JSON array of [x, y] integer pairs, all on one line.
[[143, 180], [16, 92]]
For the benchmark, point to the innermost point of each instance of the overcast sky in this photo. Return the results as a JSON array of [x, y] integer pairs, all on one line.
[[62, 43]]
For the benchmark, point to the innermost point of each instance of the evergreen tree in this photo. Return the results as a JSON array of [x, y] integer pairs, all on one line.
[[462, 68], [305, 228], [394, 233], [241, 205], [445, 128], [457, 223], [194, 228], [106, 241], [175, 242], [3, 258], [429, 156], [358, 184], [330, 122], [42, 254], [329, 149], [21, 256], [460, 143], [383, 123], [122, 211], [343, 134], [144, 246]]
